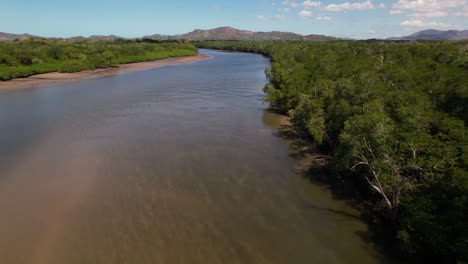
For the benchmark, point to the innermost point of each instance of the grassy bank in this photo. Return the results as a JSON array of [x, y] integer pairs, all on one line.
[[392, 117], [30, 57]]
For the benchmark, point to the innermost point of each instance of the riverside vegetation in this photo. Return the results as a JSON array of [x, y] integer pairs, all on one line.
[[29, 57], [391, 116]]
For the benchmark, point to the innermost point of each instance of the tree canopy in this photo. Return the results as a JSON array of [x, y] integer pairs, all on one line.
[[34, 56], [392, 115]]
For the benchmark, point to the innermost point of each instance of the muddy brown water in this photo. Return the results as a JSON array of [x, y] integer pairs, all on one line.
[[180, 164]]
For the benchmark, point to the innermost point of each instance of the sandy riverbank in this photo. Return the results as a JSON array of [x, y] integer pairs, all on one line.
[[59, 77]]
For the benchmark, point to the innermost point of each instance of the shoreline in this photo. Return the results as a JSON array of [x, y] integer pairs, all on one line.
[[51, 78]]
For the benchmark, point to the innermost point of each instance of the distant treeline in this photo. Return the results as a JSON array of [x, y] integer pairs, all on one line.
[[391, 116], [34, 56]]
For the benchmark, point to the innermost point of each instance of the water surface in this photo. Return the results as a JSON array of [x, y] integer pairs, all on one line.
[[180, 164]]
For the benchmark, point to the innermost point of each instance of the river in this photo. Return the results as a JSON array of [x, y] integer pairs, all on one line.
[[179, 164]]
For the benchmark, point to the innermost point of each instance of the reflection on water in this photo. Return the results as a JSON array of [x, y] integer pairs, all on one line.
[[180, 164]]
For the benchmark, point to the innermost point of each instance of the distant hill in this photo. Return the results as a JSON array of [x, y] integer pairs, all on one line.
[[314, 37], [221, 33], [76, 39], [159, 37], [101, 37], [229, 33], [432, 34], [8, 36]]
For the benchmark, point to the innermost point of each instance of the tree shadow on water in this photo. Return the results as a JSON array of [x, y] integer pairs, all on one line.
[[313, 165], [334, 211]]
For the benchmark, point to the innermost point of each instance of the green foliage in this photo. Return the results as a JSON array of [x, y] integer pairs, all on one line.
[[434, 216], [75, 66], [308, 116], [392, 115], [29, 57]]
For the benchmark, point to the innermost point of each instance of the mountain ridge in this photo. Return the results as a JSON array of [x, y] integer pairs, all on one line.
[[230, 33], [433, 34], [10, 36], [220, 33]]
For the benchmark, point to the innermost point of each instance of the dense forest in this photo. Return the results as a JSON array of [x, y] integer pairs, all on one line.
[[28, 57], [391, 116]]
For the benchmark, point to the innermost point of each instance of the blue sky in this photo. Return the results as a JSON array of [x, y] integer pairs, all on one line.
[[135, 18]]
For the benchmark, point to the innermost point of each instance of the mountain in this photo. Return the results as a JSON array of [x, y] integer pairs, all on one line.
[[159, 37], [101, 37], [229, 33], [432, 34], [76, 39], [221, 33], [314, 37], [8, 36]]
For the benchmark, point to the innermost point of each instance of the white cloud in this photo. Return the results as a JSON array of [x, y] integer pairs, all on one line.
[[350, 6], [325, 18], [305, 14], [292, 4], [429, 8], [429, 14], [463, 13], [311, 4], [417, 23], [429, 5], [307, 4]]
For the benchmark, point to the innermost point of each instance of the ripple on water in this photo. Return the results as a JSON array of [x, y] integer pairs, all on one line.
[[180, 164]]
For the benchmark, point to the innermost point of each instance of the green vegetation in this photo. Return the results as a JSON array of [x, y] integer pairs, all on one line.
[[392, 116], [34, 56]]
